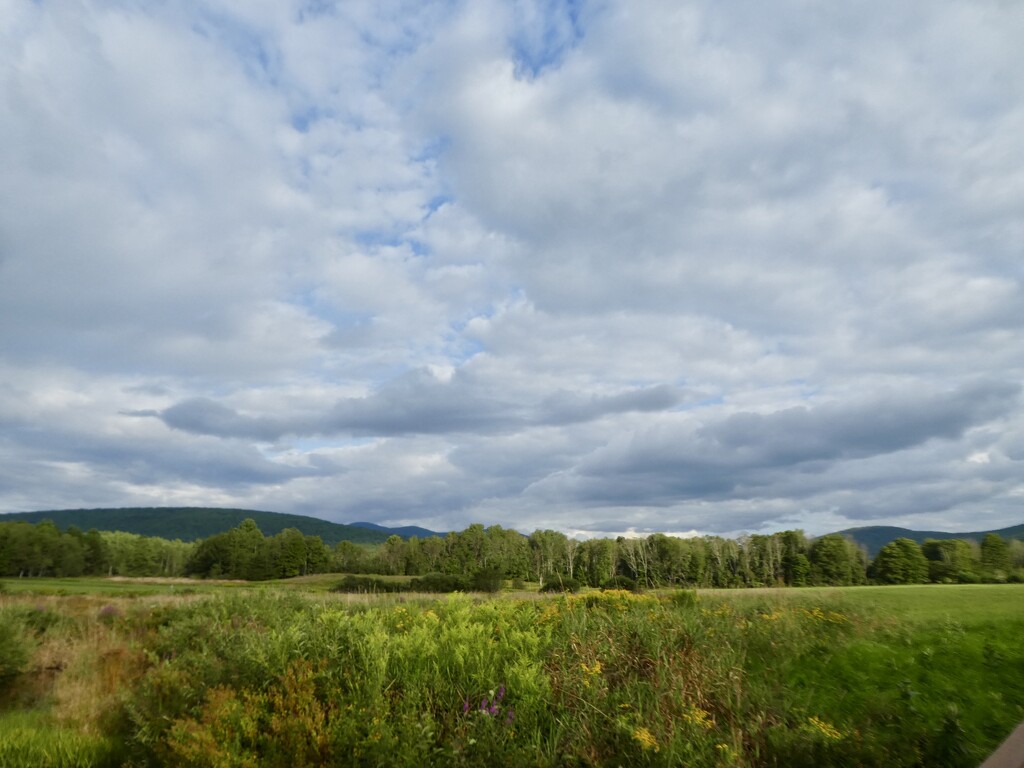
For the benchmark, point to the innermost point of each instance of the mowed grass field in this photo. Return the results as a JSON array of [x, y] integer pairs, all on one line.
[[964, 603], [154, 672]]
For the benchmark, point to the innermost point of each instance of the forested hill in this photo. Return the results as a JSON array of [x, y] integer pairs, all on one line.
[[192, 523], [405, 531], [874, 537]]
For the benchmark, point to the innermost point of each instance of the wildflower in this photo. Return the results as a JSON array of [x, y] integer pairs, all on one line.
[[827, 730], [646, 739], [699, 717], [491, 706]]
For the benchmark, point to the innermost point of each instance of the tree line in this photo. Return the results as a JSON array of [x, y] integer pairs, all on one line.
[[41, 549], [788, 558]]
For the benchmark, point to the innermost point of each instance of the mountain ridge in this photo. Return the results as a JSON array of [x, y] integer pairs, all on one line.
[[874, 537], [405, 531], [192, 523]]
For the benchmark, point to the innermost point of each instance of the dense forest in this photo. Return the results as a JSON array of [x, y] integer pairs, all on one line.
[[789, 558]]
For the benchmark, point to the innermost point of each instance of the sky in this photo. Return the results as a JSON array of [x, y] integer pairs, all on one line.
[[606, 267]]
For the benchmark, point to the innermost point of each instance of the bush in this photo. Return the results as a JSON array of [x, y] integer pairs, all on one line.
[[439, 583], [487, 580], [367, 584], [621, 582], [561, 584]]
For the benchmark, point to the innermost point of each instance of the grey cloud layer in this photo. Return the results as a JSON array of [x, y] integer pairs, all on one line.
[[742, 452], [596, 266], [417, 403]]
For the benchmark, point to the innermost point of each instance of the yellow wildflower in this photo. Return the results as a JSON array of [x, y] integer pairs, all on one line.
[[646, 739], [827, 730], [699, 717]]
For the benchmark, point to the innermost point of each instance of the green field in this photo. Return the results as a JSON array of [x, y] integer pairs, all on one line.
[[965, 603], [107, 673]]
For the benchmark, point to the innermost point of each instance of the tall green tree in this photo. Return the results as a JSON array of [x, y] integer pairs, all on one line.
[[598, 558], [950, 561], [900, 562], [97, 554], [547, 550], [995, 557], [394, 554], [837, 561]]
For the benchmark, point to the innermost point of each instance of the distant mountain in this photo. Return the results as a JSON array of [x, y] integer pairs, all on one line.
[[405, 531], [191, 523], [874, 537]]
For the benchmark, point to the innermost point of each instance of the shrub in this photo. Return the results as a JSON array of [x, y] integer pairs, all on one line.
[[561, 584], [440, 583], [621, 582], [367, 584], [487, 580]]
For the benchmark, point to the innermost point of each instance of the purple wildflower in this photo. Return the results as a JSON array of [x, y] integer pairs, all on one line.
[[510, 716], [501, 694], [465, 706]]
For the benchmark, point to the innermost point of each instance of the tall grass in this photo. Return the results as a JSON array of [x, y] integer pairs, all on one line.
[[31, 738], [799, 678]]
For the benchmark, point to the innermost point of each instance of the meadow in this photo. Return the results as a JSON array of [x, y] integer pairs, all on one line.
[[139, 673]]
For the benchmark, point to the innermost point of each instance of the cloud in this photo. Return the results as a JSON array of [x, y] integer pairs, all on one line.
[[415, 403], [601, 266], [744, 455]]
